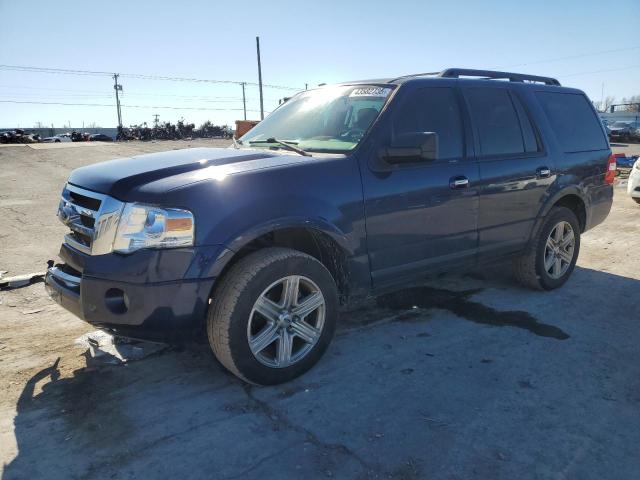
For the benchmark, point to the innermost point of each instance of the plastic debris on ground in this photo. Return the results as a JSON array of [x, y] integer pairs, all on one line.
[[114, 350], [8, 283]]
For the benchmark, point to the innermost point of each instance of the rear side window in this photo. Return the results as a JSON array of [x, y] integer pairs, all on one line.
[[573, 120], [496, 121], [433, 109], [528, 134]]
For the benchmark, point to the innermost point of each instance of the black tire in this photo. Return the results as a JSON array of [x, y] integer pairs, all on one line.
[[233, 300], [635, 199], [529, 267]]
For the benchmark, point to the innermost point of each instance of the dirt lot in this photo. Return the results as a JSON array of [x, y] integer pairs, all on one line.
[[471, 377]]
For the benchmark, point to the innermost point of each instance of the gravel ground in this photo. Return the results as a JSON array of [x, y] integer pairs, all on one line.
[[471, 377]]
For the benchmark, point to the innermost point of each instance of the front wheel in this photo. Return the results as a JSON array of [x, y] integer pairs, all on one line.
[[273, 315], [552, 255]]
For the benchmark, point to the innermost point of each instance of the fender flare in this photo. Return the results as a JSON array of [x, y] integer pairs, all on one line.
[[551, 201], [237, 242]]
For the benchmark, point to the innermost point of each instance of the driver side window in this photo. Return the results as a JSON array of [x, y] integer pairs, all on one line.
[[362, 114], [433, 109]]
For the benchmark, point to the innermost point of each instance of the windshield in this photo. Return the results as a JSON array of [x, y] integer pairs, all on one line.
[[329, 119]]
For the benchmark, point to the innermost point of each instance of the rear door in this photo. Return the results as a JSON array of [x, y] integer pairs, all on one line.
[[417, 219], [515, 170]]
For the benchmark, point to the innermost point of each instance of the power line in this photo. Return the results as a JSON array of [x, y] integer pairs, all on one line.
[[101, 94], [599, 71], [12, 95], [571, 57], [124, 105], [140, 76]]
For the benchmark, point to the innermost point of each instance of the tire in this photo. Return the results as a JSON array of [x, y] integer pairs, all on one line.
[[635, 199], [234, 317], [529, 268]]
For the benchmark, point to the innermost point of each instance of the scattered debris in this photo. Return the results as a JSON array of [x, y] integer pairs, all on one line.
[[21, 280], [115, 350], [32, 311]]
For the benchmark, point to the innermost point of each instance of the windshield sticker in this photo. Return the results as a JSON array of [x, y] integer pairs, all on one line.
[[370, 92]]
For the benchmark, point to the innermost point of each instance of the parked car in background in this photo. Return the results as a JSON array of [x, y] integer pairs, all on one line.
[[624, 131], [100, 137], [342, 192], [19, 136], [63, 137], [633, 185]]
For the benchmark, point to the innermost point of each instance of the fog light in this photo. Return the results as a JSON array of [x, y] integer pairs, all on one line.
[[116, 301]]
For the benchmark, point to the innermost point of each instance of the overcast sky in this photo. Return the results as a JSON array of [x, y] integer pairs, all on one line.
[[302, 42]]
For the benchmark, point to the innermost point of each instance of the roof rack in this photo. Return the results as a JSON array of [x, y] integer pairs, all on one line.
[[486, 75], [512, 77]]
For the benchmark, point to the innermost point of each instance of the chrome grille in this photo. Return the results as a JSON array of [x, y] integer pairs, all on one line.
[[92, 218]]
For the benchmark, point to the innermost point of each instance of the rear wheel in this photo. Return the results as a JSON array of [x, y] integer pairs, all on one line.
[[552, 255], [273, 315]]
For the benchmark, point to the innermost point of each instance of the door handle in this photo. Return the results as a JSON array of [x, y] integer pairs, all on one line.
[[543, 172], [459, 182]]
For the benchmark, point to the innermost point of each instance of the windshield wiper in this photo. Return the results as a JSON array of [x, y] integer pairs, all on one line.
[[284, 144]]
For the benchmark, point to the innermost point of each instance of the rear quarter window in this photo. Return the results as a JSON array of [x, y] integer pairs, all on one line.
[[574, 122]]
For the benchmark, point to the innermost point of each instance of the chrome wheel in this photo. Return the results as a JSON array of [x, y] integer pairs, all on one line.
[[559, 250], [286, 321]]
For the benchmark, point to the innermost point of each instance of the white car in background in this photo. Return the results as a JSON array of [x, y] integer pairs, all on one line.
[[63, 137], [633, 186]]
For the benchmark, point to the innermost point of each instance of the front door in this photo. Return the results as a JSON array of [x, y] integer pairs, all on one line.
[[421, 216]]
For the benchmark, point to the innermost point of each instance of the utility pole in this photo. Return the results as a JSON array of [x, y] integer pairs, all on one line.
[[118, 88], [244, 101], [260, 79], [155, 119]]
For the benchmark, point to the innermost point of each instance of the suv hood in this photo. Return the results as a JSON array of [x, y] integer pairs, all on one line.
[[122, 177]]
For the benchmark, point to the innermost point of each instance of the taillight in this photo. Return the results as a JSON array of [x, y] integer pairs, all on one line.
[[611, 170]]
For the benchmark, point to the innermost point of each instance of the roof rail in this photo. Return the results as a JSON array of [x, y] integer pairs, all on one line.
[[413, 75], [490, 74]]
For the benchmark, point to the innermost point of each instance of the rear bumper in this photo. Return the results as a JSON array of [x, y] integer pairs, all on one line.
[[601, 200], [129, 304]]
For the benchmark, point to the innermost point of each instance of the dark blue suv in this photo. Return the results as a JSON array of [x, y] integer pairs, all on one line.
[[344, 191]]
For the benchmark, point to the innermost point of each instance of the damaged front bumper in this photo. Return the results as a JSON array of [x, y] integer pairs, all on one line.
[[152, 294]]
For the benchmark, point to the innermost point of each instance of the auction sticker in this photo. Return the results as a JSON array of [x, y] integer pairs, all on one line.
[[370, 92]]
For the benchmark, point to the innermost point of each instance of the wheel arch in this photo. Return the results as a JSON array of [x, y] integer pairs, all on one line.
[[571, 198], [317, 238]]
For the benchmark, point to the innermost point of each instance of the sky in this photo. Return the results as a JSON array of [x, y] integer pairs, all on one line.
[[585, 44]]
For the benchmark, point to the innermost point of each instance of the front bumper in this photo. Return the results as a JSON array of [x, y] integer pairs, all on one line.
[[135, 295]]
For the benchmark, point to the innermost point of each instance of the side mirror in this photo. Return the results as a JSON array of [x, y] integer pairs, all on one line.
[[412, 147]]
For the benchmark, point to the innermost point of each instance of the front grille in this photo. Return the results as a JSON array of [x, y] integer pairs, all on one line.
[[91, 217], [85, 201]]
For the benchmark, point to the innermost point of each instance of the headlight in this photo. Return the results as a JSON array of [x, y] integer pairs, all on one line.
[[144, 226]]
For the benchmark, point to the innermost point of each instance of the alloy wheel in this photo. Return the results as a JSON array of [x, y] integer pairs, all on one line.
[[559, 250], [286, 321]]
